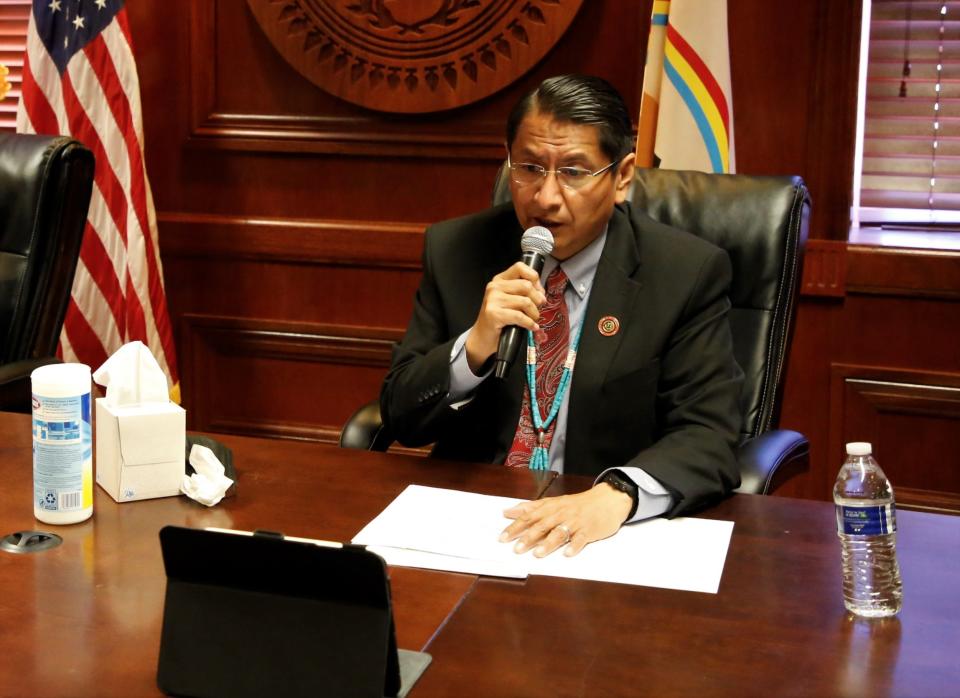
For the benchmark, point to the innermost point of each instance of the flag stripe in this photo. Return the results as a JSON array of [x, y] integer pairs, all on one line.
[[103, 276], [80, 79], [118, 43], [40, 90], [660, 13], [94, 307], [85, 344], [109, 238], [704, 74], [701, 119], [42, 117]]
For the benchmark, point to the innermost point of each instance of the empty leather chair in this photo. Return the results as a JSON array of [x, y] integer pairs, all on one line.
[[45, 185]]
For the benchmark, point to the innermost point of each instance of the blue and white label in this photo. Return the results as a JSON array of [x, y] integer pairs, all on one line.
[[866, 520], [62, 452]]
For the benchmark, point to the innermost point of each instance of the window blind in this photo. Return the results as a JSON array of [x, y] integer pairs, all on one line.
[[14, 16], [911, 143]]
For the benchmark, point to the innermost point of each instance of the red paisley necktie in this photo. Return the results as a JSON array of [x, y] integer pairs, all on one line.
[[552, 341]]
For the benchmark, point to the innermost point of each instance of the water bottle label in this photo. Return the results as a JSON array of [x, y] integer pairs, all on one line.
[[62, 453], [866, 520]]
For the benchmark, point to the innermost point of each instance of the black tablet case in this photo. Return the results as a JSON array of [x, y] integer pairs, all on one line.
[[261, 615]]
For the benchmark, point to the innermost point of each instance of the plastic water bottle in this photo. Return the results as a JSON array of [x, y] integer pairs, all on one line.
[[867, 526]]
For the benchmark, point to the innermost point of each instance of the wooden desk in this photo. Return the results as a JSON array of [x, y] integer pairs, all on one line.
[[84, 619], [777, 627]]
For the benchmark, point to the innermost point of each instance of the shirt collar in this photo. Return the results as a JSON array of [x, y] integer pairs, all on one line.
[[581, 267]]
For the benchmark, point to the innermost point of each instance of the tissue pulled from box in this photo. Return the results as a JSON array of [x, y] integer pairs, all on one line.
[[208, 484], [132, 376]]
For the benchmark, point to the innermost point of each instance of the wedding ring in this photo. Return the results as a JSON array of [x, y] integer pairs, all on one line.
[[566, 532]]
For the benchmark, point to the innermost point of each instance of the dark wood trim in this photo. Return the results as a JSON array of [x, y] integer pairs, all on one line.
[[836, 269], [275, 430], [297, 432], [341, 136], [203, 57], [935, 400], [928, 500], [825, 268], [902, 271], [301, 241], [368, 346]]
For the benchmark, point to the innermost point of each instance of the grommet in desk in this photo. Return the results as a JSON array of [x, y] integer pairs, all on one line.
[[30, 542]]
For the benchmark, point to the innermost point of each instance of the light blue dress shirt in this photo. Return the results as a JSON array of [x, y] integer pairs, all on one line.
[[580, 270]]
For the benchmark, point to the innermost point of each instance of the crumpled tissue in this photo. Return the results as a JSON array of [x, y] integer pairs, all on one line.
[[132, 376], [208, 484]]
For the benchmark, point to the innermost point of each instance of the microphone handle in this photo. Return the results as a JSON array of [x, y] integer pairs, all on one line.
[[512, 336]]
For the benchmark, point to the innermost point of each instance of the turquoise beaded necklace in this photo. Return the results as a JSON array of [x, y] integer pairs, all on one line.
[[539, 459]]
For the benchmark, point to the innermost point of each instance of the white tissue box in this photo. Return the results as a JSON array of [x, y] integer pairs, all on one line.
[[140, 450]]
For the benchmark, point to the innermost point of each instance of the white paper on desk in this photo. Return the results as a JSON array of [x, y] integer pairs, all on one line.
[[449, 522], [403, 557], [684, 553]]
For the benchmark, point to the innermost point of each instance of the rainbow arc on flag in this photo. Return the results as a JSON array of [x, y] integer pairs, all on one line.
[[686, 121]]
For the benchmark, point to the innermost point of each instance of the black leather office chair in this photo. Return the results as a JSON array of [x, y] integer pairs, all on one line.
[[45, 185], [762, 223]]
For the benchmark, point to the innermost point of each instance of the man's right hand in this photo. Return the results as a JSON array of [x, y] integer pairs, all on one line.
[[513, 297]]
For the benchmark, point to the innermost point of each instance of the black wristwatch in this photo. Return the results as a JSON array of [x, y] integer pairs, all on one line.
[[618, 481]]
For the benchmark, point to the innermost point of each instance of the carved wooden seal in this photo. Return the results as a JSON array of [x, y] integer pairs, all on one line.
[[413, 56]]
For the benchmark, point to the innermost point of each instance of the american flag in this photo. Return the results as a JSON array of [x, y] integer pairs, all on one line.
[[80, 79]]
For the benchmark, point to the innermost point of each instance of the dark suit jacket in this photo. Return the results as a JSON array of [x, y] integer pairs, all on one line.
[[661, 394]]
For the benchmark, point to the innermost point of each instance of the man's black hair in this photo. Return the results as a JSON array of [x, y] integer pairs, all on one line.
[[579, 99]]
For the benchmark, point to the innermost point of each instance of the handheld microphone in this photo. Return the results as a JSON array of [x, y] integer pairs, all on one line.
[[536, 243]]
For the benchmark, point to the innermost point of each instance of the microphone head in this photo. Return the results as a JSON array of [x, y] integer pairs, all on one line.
[[537, 239]]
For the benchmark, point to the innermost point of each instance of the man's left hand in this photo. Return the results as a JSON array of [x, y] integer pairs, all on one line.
[[575, 520]]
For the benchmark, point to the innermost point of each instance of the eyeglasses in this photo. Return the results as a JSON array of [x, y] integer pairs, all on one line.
[[524, 173]]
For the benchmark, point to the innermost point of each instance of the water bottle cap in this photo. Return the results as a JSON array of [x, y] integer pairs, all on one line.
[[859, 448]]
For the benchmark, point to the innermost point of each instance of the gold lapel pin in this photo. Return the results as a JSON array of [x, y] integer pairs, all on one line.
[[608, 326]]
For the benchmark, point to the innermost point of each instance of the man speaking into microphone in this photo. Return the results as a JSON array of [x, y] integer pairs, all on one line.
[[625, 369]]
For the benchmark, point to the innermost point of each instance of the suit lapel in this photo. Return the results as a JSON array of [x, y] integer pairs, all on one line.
[[614, 294]]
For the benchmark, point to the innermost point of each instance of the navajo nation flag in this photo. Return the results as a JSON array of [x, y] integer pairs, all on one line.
[[80, 79], [686, 115]]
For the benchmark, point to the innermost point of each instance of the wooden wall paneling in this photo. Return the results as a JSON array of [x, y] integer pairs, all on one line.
[[269, 378], [795, 72], [899, 309], [912, 418], [771, 64], [343, 273], [831, 116], [297, 294], [247, 280]]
